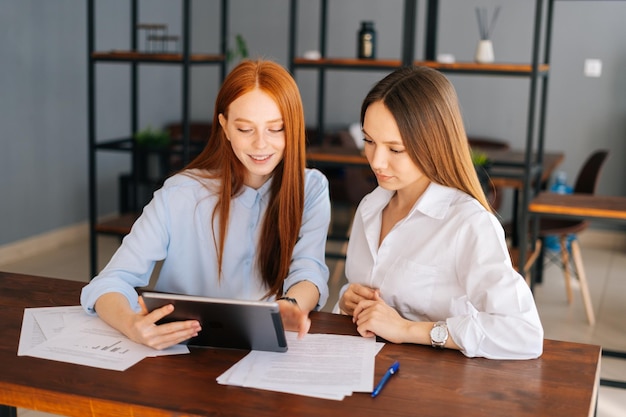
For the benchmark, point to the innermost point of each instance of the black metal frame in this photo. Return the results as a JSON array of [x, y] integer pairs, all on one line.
[[534, 148], [611, 382], [408, 47], [127, 144]]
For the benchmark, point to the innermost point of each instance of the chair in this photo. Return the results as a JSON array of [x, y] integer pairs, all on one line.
[[586, 183]]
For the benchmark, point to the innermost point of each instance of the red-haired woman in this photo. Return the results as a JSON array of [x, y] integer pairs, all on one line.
[[244, 220]]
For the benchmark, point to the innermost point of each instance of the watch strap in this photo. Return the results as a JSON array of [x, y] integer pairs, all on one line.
[[290, 299]]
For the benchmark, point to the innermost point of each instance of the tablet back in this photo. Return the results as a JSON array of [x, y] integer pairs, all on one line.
[[226, 323]]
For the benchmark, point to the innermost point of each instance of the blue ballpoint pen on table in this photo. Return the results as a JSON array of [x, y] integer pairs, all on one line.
[[393, 369]]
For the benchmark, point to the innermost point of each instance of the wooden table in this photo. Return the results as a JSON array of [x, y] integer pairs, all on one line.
[[563, 382], [584, 206], [590, 206]]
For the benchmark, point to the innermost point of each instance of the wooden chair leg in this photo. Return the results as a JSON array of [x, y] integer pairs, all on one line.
[[566, 268], [582, 278], [531, 260]]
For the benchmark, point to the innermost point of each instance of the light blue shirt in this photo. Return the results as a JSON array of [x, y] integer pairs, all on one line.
[[175, 227]]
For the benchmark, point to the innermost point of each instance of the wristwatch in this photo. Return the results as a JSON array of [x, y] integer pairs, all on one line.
[[439, 334]]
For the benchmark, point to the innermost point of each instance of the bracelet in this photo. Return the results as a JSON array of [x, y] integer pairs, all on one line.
[[291, 300]]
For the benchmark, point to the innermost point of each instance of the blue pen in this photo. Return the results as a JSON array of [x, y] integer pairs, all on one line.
[[391, 371]]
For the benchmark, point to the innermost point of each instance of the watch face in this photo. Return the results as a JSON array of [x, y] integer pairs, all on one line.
[[439, 334]]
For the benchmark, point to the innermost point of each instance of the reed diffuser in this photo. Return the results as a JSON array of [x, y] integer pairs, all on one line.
[[484, 50]]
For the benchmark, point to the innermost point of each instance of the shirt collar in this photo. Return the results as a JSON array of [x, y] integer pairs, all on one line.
[[434, 203], [249, 196]]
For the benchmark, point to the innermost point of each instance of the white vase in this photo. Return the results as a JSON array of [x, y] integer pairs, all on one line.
[[484, 52]]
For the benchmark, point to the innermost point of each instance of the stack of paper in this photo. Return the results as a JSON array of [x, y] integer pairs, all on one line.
[[318, 365], [68, 334]]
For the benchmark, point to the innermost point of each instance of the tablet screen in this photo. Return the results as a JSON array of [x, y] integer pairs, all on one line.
[[226, 323]]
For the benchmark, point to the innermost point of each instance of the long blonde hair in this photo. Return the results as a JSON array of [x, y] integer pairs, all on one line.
[[283, 217], [425, 107]]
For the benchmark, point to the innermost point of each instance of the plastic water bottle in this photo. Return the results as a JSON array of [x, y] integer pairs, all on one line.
[[559, 186]]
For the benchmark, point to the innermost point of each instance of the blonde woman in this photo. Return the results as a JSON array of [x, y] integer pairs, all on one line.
[[427, 261]]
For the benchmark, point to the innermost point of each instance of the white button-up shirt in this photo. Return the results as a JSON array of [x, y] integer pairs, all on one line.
[[447, 260], [176, 227]]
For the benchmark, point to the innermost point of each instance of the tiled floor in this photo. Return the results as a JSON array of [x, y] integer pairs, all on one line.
[[604, 255]]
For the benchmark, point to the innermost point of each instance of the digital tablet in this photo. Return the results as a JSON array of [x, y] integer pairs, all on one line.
[[226, 323]]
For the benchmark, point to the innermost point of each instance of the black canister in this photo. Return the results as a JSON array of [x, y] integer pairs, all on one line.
[[367, 41]]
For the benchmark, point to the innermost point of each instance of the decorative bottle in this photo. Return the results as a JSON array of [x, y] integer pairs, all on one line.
[[367, 41]]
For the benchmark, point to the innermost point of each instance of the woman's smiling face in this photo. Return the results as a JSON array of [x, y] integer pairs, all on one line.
[[255, 129]]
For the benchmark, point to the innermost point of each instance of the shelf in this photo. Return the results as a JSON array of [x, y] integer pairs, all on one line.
[[171, 58], [494, 68], [126, 145], [335, 156], [458, 67], [348, 63], [149, 165], [120, 225], [122, 144]]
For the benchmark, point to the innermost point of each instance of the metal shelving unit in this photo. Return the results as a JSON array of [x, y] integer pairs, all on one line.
[[133, 58], [537, 72]]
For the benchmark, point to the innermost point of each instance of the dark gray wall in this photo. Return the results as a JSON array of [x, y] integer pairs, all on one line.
[[43, 85]]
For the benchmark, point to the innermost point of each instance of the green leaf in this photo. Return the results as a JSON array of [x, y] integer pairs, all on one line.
[[152, 137], [479, 158], [240, 51]]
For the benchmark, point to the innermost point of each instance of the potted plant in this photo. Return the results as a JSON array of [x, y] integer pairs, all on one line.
[[151, 158], [239, 52], [482, 164]]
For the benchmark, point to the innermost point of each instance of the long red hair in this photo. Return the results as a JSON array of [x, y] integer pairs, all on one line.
[[283, 217]]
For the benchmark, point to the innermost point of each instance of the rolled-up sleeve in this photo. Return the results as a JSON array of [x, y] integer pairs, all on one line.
[[503, 322]]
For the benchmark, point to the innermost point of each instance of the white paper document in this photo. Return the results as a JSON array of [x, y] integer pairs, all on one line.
[[319, 365], [68, 334]]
